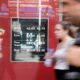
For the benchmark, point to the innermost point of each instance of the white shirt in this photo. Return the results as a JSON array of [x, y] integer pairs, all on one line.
[[61, 63]]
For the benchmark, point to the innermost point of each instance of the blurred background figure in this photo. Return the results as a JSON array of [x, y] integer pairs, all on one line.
[[73, 57], [65, 38], [71, 13]]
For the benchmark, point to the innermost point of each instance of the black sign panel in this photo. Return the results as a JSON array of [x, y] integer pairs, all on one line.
[[29, 36]]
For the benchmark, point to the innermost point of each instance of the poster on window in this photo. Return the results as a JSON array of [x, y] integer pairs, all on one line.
[[29, 40]]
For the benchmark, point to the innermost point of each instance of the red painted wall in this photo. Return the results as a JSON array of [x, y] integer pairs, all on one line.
[[25, 70]]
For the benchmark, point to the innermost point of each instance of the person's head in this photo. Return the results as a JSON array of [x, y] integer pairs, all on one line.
[[63, 29], [2, 31], [71, 11]]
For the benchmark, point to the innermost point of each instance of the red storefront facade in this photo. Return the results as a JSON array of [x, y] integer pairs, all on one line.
[[26, 9]]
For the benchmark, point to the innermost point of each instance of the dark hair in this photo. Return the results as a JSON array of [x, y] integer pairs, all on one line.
[[77, 0], [77, 42], [67, 26]]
